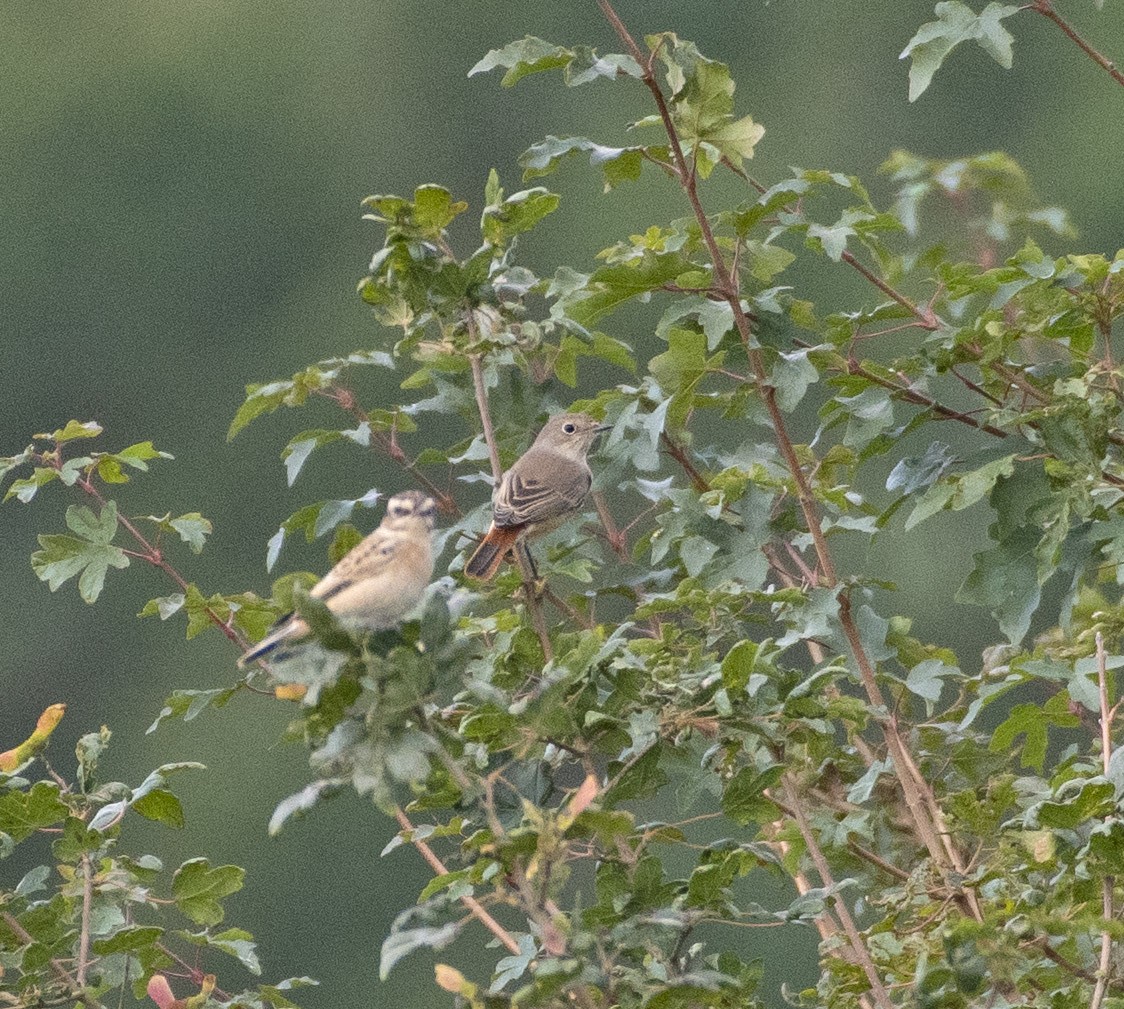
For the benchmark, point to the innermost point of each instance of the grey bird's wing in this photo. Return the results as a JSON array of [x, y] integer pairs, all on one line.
[[539, 488]]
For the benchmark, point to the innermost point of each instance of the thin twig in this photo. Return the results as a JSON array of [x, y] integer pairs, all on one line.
[[615, 537], [1105, 963], [855, 940], [1046, 9], [84, 935], [922, 806], [475, 908], [345, 399], [925, 317], [485, 415], [68, 979], [679, 454], [155, 557]]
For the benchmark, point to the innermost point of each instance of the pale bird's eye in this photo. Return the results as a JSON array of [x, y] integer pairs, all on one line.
[[569, 428]]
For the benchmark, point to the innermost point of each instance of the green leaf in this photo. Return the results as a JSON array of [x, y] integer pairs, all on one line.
[[25, 489], [529, 55], [743, 798], [23, 813], [617, 164], [89, 557], [738, 665], [532, 55], [88, 750], [1092, 801], [611, 286], [197, 889], [235, 942], [956, 23], [160, 805], [402, 942], [1005, 580], [189, 704], [435, 209], [74, 429], [914, 473], [520, 212], [1024, 720], [191, 527], [962, 490], [130, 939], [300, 803], [296, 453]]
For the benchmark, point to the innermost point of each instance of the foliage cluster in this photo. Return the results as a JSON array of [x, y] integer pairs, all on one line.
[[599, 767]]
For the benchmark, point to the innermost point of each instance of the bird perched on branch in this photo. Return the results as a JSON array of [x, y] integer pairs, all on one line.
[[545, 486], [378, 581]]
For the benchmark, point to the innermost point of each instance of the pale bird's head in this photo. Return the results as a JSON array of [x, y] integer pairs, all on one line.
[[570, 434], [411, 505]]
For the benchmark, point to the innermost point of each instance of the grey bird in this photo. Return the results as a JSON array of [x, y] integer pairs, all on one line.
[[544, 487]]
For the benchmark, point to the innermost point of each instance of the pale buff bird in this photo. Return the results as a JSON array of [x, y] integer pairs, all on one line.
[[544, 487], [378, 581]]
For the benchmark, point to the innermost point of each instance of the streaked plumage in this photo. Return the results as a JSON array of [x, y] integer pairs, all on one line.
[[546, 485], [378, 581]]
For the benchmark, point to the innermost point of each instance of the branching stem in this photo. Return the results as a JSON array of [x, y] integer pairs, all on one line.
[[475, 908]]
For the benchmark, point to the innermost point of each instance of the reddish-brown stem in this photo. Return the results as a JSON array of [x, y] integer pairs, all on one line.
[[84, 934], [1105, 961], [475, 908], [1046, 9], [613, 534], [854, 937], [485, 415], [389, 446], [151, 553], [911, 395], [75, 990], [679, 454], [925, 317], [919, 799]]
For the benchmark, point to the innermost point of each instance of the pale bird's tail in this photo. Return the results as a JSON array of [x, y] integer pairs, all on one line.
[[287, 630]]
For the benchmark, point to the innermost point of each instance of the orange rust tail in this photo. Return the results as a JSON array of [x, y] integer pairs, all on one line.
[[486, 561]]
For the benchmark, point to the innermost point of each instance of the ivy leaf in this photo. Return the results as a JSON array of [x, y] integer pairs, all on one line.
[[197, 889], [517, 213], [529, 55], [189, 704], [617, 164], [74, 429], [402, 942], [23, 813], [89, 555], [914, 473], [956, 23], [235, 942], [1005, 580]]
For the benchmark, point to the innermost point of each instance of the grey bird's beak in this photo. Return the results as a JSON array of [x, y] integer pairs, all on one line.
[[602, 428]]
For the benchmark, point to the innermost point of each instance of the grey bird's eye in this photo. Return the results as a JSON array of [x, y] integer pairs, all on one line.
[[569, 428]]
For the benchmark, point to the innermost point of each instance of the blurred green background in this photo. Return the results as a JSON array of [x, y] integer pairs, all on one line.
[[180, 210]]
